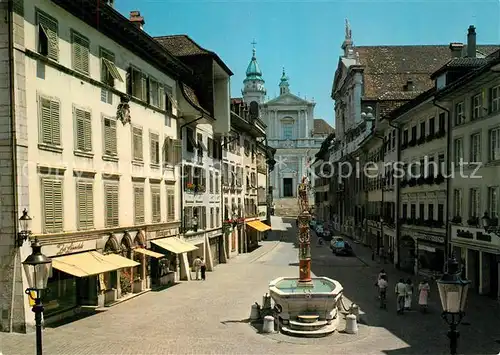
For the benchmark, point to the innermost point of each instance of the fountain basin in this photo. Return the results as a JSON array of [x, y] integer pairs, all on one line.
[[319, 298]]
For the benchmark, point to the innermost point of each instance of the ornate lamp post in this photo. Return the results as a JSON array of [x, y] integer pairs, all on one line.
[[453, 294], [38, 269], [24, 228]]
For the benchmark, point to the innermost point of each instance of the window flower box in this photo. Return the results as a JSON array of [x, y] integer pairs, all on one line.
[[430, 137]]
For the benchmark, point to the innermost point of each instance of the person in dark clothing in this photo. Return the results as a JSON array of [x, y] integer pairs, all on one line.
[[203, 269]]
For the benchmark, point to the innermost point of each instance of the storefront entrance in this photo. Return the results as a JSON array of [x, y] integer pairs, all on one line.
[[288, 187], [215, 249]]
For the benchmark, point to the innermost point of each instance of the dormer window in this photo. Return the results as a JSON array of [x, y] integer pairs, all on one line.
[[410, 85]]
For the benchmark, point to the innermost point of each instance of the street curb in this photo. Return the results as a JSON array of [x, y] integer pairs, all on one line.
[[265, 253]]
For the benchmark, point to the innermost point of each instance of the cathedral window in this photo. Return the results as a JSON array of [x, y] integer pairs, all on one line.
[[287, 130]]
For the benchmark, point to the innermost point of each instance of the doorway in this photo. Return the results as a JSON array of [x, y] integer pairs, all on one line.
[[288, 187]]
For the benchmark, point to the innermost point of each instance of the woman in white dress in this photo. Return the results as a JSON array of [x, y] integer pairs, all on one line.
[[423, 297], [409, 294]]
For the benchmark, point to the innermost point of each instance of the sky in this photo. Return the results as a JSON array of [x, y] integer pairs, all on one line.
[[305, 36]]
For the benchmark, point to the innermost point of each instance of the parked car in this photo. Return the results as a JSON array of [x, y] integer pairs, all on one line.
[[341, 247]]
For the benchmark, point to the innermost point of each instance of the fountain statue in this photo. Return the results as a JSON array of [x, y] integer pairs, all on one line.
[[306, 306]]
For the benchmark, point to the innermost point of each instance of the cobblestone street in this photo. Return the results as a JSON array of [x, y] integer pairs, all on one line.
[[211, 317]]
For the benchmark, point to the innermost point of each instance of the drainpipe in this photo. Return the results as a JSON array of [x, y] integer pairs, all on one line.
[[182, 171], [12, 99], [398, 195], [448, 180]]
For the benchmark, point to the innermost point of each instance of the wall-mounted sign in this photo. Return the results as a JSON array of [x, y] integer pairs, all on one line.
[[431, 238], [68, 248], [166, 233], [462, 233]]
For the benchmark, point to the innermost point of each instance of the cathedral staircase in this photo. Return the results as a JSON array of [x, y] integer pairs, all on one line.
[[286, 207]]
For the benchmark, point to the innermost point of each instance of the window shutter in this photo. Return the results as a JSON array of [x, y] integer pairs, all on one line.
[[112, 207], [82, 205], [145, 88], [161, 98], [50, 26], [139, 204], [137, 143], [177, 151], [170, 205], [87, 131], [55, 122], [129, 78], [110, 145], [46, 121], [53, 205]]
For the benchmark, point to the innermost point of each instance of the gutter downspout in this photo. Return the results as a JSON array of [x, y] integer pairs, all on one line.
[[398, 196], [447, 239], [182, 172], [12, 99]]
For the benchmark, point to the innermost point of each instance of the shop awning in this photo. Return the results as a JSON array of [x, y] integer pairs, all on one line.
[[149, 253], [175, 245], [259, 226], [90, 263]]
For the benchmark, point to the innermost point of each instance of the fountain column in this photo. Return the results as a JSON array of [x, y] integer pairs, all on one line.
[[304, 236]]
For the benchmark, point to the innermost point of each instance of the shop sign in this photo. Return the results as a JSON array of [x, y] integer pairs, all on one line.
[[462, 233], [166, 233], [68, 248], [483, 237], [431, 238]]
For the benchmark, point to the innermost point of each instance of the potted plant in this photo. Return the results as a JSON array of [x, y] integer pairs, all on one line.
[[473, 221], [456, 220], [412, 143], [440, 134], [430, 137], [138, 285], [190, 187]]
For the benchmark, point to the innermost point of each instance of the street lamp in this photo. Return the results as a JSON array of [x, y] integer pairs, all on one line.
[[24, 228], [490, 226], [453, 295], [38, 269]]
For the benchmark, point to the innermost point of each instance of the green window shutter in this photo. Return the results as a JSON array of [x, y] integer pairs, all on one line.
[[45, 121], [170, 205], [81, 53], [112, 207], [137, 143], [110, 144], [155, 204], [90, 205], [85, 196], [50, 28], [177, 151], [139, 204], [53, 205], [145, 88], [83, 130]]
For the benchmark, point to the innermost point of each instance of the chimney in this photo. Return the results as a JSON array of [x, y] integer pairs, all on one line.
[[137, 19], [471, 42], [456, 49]]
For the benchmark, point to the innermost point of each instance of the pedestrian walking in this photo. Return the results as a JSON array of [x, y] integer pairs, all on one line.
[[382, 289], [196, 267], [203, 269], [400, 290], [423, 295], [409, 294]]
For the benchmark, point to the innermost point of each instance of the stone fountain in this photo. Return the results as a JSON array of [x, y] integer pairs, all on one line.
[[306, 306]]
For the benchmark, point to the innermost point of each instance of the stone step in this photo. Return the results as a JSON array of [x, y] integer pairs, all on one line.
[[295, 325], [307, 318], [317, 333]]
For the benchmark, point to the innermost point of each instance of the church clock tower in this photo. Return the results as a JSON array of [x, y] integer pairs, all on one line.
[[253, 85]]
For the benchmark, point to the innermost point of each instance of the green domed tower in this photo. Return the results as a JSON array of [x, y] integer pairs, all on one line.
[[253, 85]]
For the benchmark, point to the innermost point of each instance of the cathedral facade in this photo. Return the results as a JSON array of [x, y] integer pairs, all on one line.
[[291, 129]]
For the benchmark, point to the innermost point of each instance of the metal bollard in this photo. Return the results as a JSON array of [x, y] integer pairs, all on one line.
[[266, 301], [351, 324], [268, 325], [354, 310], [255, 312]]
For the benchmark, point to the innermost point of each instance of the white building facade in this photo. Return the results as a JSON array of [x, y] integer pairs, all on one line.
[[94, 136]]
